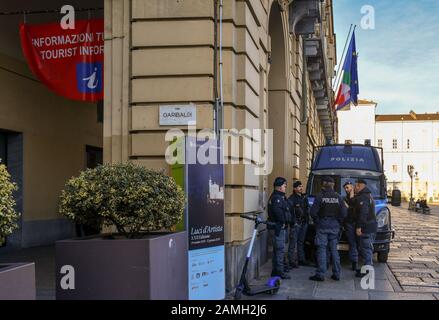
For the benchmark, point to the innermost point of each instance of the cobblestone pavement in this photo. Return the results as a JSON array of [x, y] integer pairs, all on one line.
[[414, 256], [412, 272]]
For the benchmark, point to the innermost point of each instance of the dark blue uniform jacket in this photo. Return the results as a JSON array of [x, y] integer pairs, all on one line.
[[328, 210], [278, 210], [299, 208], [365, 211]]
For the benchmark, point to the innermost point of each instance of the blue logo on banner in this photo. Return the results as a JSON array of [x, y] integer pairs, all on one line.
[[89, 77]]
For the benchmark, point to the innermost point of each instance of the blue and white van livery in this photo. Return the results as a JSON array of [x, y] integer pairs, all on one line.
[[348, 162]]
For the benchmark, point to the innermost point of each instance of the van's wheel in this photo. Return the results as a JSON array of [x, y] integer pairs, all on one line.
[[383, 256]]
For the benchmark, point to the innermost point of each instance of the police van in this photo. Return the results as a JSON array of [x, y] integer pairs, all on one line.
[[348, 162]]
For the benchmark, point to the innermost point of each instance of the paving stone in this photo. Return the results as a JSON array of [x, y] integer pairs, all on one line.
[[429, 272], [414, 254], [385, 295], [411, 283], [417, 288], [300, 296], [297, 293], [45, 294], [291, 286], [407, 265], [425, 259], [432, 281], [434, 267], [380, 285], [328, 294], [412, 274], [347, 285], [381, 275]]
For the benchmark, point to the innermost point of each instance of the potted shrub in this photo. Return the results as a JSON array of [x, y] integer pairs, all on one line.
[[17, 280], [142, 259]]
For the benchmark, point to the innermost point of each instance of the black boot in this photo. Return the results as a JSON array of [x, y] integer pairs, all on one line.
[[305, 263], [285, 276], [358, 273], [334, 277], [275, 273], [316, 278], [354, 266]]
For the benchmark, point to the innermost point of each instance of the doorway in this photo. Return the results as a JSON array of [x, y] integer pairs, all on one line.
[[279, 116]]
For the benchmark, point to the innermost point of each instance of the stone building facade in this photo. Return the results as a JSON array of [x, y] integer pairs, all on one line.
[[278, 64]]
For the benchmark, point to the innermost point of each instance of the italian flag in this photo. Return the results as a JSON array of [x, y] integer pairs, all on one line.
[[349, 88]]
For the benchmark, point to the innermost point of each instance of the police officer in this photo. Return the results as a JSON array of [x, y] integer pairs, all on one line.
[[350, 223], [328, 212], [279, 215], [366, 224], [299, 208]]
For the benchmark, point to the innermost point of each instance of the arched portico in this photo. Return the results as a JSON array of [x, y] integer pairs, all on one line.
[[280, 115]]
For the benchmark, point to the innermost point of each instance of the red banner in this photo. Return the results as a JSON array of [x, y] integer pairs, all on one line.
[[70, 62]]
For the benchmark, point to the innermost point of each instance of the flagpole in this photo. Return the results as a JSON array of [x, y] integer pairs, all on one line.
[[343, 57]]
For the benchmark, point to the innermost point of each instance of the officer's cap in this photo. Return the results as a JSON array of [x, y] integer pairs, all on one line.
[[361, 181], [279, 181], [346, 183], [327, 179], [297, 183]]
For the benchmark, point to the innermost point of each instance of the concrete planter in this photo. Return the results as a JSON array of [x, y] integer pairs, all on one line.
[[154, 267], [17, 281]]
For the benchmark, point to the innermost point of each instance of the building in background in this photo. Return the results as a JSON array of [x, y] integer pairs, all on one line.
[[357, 124], [410, 139], [406, 139]]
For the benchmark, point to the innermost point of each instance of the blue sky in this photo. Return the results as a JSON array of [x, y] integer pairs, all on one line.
[[399, 60]]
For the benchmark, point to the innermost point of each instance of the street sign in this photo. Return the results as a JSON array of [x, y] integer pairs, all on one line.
[[178, 115]]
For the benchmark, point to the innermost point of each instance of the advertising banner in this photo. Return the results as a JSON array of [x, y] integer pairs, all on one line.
[[69, 62], [205, 221]]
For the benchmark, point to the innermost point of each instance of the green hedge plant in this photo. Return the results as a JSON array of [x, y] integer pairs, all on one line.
[[128, 196], [8, 215]]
